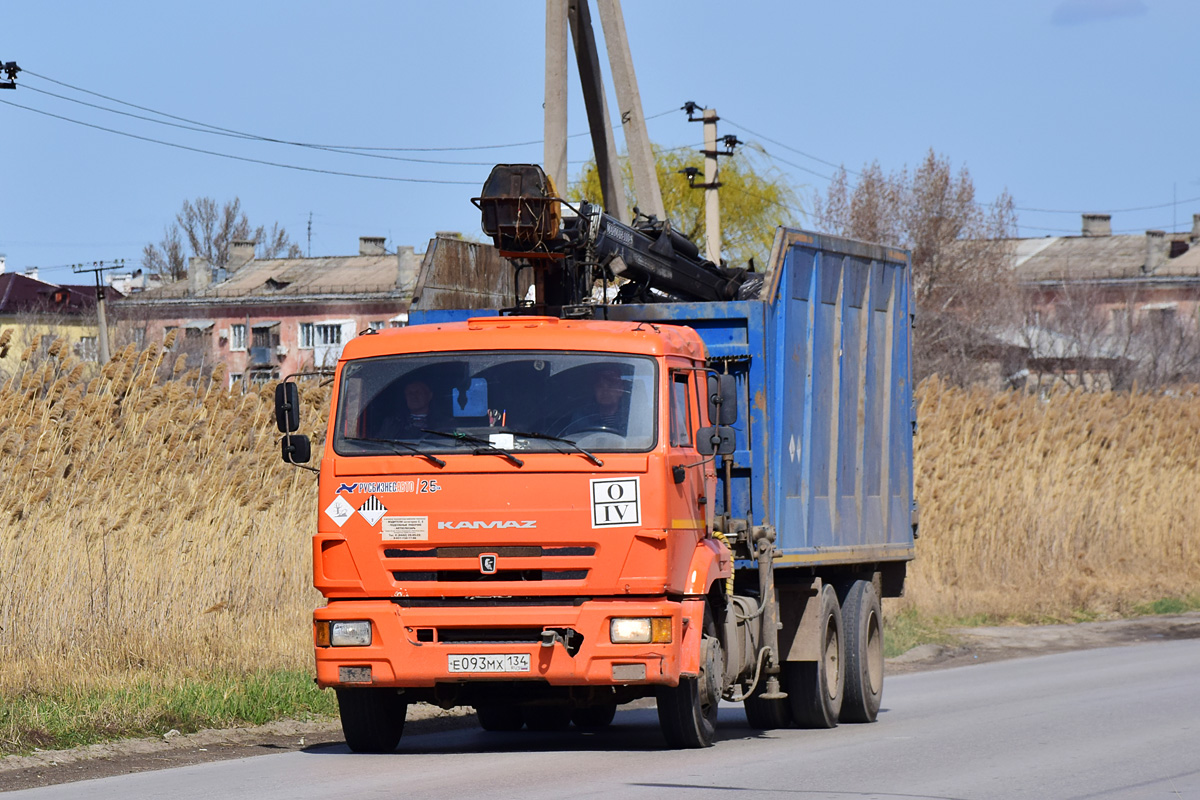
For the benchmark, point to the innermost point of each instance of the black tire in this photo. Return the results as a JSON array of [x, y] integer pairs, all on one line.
[[499, 717], [815, 688], [862, 617], [767, 715], [687, 713], [372, 719], [554, 717], [594, 717]]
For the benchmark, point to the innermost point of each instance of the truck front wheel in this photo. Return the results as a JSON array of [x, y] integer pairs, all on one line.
[[687, 713], [372, 719], [815, 688]]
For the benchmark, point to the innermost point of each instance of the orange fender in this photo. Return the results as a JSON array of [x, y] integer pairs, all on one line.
[[711, 561], [693, 632]]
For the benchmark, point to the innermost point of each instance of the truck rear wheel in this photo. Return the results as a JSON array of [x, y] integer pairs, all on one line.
[[767, 715], [862, 616], [687, 713], [815, 688], [372, 719], [499, 717]]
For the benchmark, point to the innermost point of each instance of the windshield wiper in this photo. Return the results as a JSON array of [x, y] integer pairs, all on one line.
[[549, 438], [413, 450], [488, 449]]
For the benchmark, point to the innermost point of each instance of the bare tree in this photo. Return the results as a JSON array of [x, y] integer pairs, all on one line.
[[964, 290], [210, 228]]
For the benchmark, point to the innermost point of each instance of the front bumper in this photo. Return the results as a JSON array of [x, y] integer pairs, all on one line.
[[411, 647]]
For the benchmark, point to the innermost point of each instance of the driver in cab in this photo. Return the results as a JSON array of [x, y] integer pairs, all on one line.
[[607, 408]]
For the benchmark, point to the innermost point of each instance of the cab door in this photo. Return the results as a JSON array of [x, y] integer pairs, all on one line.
[[692, 480]]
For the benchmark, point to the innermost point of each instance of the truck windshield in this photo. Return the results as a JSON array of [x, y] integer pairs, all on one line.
[[512, 401]]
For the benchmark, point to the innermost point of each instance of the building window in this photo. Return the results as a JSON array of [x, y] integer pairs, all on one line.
[[237, 337], [326, 335], [265, 336], [139, 337], [306, 335], [377, 325], [235, 379], [87, 348], [259, 377]]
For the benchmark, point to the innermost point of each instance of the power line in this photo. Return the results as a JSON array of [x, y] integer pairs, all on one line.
[[245, 135], [1016, 208], [242, 158]]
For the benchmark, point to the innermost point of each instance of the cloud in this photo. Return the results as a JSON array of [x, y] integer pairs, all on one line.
[[1081, 12]]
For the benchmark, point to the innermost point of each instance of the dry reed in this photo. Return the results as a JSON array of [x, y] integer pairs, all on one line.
[[148, 524], [1079, 503]]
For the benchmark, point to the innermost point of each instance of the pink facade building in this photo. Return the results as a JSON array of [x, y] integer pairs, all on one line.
[[265, 319]]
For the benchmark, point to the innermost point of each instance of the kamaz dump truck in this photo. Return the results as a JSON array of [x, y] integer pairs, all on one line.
[[697, 490]]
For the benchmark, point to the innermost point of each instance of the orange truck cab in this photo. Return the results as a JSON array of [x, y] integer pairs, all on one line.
[[541, 546]]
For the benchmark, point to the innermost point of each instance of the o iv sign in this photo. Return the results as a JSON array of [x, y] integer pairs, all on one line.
[[616, 502]]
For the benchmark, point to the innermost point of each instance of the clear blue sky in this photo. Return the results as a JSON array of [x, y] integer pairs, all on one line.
[[1070, 105]]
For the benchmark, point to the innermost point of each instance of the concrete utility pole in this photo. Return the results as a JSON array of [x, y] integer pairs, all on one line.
[[629, 104], [604, 145], [712, 204], [555, 144], [98, 268]]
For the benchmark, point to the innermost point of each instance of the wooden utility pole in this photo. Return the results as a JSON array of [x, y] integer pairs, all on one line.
[[629, 104], [555, 144], [99, 269], [604, 145]]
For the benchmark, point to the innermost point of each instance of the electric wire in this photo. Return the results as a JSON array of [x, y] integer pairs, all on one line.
[[1028, 209], [243, 134], [247, 159]]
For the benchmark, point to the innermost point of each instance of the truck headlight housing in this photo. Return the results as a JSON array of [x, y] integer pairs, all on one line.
[[640, 630], [350, 633]]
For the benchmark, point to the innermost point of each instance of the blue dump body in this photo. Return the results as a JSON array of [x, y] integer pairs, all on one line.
[[825, 412]]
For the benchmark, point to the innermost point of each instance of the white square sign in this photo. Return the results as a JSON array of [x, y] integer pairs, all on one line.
[[616, 502]]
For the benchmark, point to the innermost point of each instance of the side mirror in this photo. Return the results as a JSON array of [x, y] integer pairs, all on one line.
[[295, 449], [715, 440], [722, 399], [287, 408]]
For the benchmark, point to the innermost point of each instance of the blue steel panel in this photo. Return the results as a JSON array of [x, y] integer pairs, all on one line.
[[825, 346], [874, 409]]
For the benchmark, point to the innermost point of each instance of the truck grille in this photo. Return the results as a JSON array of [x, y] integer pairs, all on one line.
[[475, 576], [461, 564], [530, 551]]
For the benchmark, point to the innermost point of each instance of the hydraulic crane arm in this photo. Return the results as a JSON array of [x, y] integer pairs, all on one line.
[[525, 218]]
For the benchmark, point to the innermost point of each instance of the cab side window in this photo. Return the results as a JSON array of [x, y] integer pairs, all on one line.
[[681, 435]]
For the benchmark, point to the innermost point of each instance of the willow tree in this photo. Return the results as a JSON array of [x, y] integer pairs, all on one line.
[[754, 201]]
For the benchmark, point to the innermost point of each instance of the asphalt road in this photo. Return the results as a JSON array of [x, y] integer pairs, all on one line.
[[1108, 723]]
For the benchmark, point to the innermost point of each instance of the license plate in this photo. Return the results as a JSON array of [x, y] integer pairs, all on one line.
[[492, 662]]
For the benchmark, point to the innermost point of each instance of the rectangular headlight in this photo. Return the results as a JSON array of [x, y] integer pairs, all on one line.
[[350, 633], [640, 630]]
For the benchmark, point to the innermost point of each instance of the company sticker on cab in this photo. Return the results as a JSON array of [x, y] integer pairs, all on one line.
[[405, 529]]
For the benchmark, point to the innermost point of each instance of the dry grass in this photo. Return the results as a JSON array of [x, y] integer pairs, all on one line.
[[1077, 505], [147, 526]]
